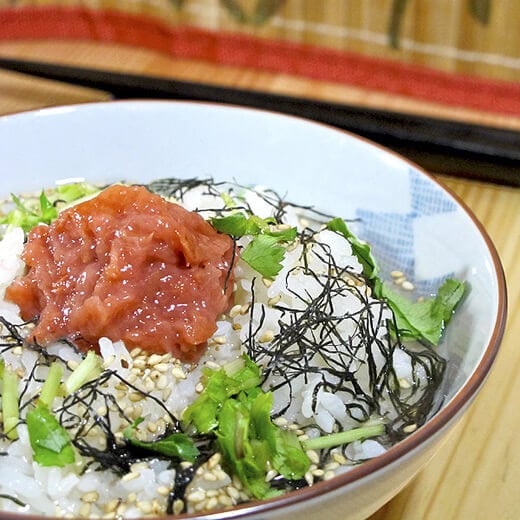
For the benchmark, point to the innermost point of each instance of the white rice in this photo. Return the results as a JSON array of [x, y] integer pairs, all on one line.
[[79, 490]]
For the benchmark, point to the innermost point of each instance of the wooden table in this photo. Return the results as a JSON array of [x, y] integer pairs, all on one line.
[[476, 474]]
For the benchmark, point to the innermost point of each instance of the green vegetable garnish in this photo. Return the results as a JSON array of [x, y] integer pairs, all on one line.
[[346, 437], [50, 442], [236, 409], [265, 252], [220, 385], [51, 386], [87, 370], [30, 213], [177, 445], [360, 249], [426, 319], [10, 408]]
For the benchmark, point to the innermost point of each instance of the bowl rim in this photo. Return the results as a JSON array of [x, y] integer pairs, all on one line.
[[432, 427]]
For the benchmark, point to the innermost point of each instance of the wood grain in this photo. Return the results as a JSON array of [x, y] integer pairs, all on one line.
[[476, 474]]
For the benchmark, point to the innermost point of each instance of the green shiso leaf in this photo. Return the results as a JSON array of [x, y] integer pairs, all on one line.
[[176, 444], [50, 442]]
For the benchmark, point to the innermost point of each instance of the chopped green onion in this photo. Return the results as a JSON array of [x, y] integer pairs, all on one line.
[[51, 386], [340, 438], [87, 370], [10, 410]]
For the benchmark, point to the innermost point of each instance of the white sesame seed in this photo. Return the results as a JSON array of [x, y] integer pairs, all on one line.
[[145, 506], [199, 387], [166, 393], [396, 274], [274, 300], [85, 509], [130, 476], [154, 359], [163, 491], [280, 421], [17, 351], [409, 428], [328, 475], [225, 500], [244, 309], [237, 326], [399, 281], [196, 496], [266, 337], [162, 382], [178, 373], [90, 497], [267, 282], [340, 459], [178, 506], [270, 475], [313, 456], [134, 397], [318, 472], [210, 477], [214, 461], [219, 340], [233, 492], [235, 311], [408, 286], [212, 503]]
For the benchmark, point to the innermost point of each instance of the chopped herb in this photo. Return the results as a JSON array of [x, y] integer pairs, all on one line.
[[341, 438], [427, 319], [360, 249], [75, 191], [88, 369], [51, 386], [173, 445], [264, 253], [10, 407], [50, 442], [239, 412], [220, 385], [27, 217]]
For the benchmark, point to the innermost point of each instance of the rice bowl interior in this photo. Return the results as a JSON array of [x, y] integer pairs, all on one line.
[[416, 230]]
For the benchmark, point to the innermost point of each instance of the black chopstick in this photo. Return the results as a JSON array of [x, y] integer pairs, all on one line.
[[439, 145]]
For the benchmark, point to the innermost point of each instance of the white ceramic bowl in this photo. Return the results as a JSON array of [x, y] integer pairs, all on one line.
[[411, 221]]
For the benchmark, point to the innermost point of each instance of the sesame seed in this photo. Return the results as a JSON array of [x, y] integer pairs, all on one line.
[[163, 491], [130, 476], [221, 475], [313, 456], [233, 492], [274, 300], [162, 367], [85, 509], [408, 286], [102, 410], [399, 281], [149, 385], [237, 326], [318, 473], [244, 309], [90, 497], [196, 496], [178, 506], [131, 498], [178, 373], [210, 477], [270, 475], [199, 387], [214, 460], [212, 503], [235, 311], [108, 361], [266, 337], [267, 282], [72, 364], [328, 475], [151, 427], [331, 466], [17, 351], [213, 365], [340, 459], [403, 383], [134, 397], [309, 478], [166, 393], [220, 340], [111, 506], [396, 274], [280, 421], [303, 437], [145, 506], [162, 382], [409, 428], [139, 363], [225, 500], [135, 352], [154, 359]]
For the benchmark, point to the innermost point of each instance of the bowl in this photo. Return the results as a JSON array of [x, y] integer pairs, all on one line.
[[407, 216]]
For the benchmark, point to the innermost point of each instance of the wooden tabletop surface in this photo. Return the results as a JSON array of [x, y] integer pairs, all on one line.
[[476, 473]]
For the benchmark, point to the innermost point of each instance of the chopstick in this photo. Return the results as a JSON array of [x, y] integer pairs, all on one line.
[[439, 145]]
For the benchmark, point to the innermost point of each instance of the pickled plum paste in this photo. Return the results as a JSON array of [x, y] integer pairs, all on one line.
[[127, 265]]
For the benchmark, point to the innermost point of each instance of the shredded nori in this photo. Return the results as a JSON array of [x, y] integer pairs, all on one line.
[[311, 331]]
